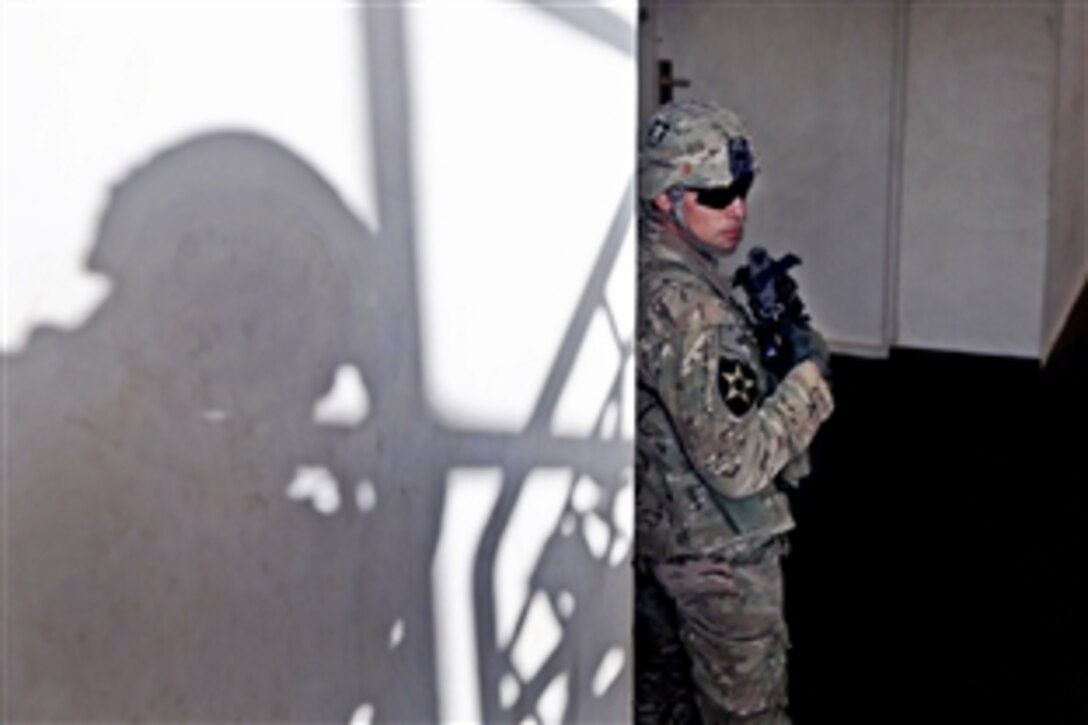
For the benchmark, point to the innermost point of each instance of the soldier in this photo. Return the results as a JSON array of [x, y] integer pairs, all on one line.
[[717, 435]]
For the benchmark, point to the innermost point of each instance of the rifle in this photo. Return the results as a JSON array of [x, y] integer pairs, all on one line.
[[776, 309]]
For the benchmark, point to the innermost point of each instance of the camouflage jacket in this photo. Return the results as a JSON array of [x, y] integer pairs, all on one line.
[[711, 440]]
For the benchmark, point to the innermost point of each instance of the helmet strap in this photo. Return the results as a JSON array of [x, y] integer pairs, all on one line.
[[676, 205]]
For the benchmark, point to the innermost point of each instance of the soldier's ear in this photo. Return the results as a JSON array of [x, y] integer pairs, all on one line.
[[663, 202]]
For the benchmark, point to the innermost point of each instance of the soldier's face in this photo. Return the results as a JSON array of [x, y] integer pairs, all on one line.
[[715, 216], [720, 228]]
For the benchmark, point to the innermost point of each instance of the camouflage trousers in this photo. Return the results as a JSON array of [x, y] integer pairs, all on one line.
[[711, 647]]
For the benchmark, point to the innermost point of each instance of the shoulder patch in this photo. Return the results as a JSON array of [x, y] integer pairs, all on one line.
[[737, 386]]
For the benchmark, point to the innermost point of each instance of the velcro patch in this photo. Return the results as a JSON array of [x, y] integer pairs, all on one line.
[[740, 157], [737, 385], [657, 132]]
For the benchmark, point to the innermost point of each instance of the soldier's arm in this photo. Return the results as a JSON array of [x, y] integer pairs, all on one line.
[[737, 443]]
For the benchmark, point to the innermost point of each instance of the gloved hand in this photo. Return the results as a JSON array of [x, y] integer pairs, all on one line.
[[810, 345]]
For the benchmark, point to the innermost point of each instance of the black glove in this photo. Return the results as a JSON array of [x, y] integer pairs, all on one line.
[[808, 344]]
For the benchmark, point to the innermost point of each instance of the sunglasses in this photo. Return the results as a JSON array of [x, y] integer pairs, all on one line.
[[720, 197]]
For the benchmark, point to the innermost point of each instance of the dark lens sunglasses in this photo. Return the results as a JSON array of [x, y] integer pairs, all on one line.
[[720, 197]]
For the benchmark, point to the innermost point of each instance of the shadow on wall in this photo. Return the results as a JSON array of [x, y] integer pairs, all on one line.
[[227, 498]]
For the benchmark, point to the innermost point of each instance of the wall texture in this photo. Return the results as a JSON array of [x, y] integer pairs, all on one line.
[[976, 174], [242, 488]]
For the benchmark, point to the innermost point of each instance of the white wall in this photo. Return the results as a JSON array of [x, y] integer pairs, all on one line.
[[1067, 254], [976, 176], [342, 429]]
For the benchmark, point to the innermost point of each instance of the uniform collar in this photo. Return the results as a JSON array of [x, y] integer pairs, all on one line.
[[664, 242]]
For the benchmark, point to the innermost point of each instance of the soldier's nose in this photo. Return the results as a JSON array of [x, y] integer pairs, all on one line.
[[738, 209]]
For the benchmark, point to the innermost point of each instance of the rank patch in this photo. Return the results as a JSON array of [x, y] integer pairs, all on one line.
[[737, 386]]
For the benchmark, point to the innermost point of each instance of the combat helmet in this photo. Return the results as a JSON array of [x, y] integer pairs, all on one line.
[[693, 144]]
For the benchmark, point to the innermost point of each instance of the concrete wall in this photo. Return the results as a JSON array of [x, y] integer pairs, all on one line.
[[976, 176], [301, 463], [1067, 253], [815, 84]]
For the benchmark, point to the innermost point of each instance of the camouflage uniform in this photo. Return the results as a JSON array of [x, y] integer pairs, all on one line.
[[712, 441]]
